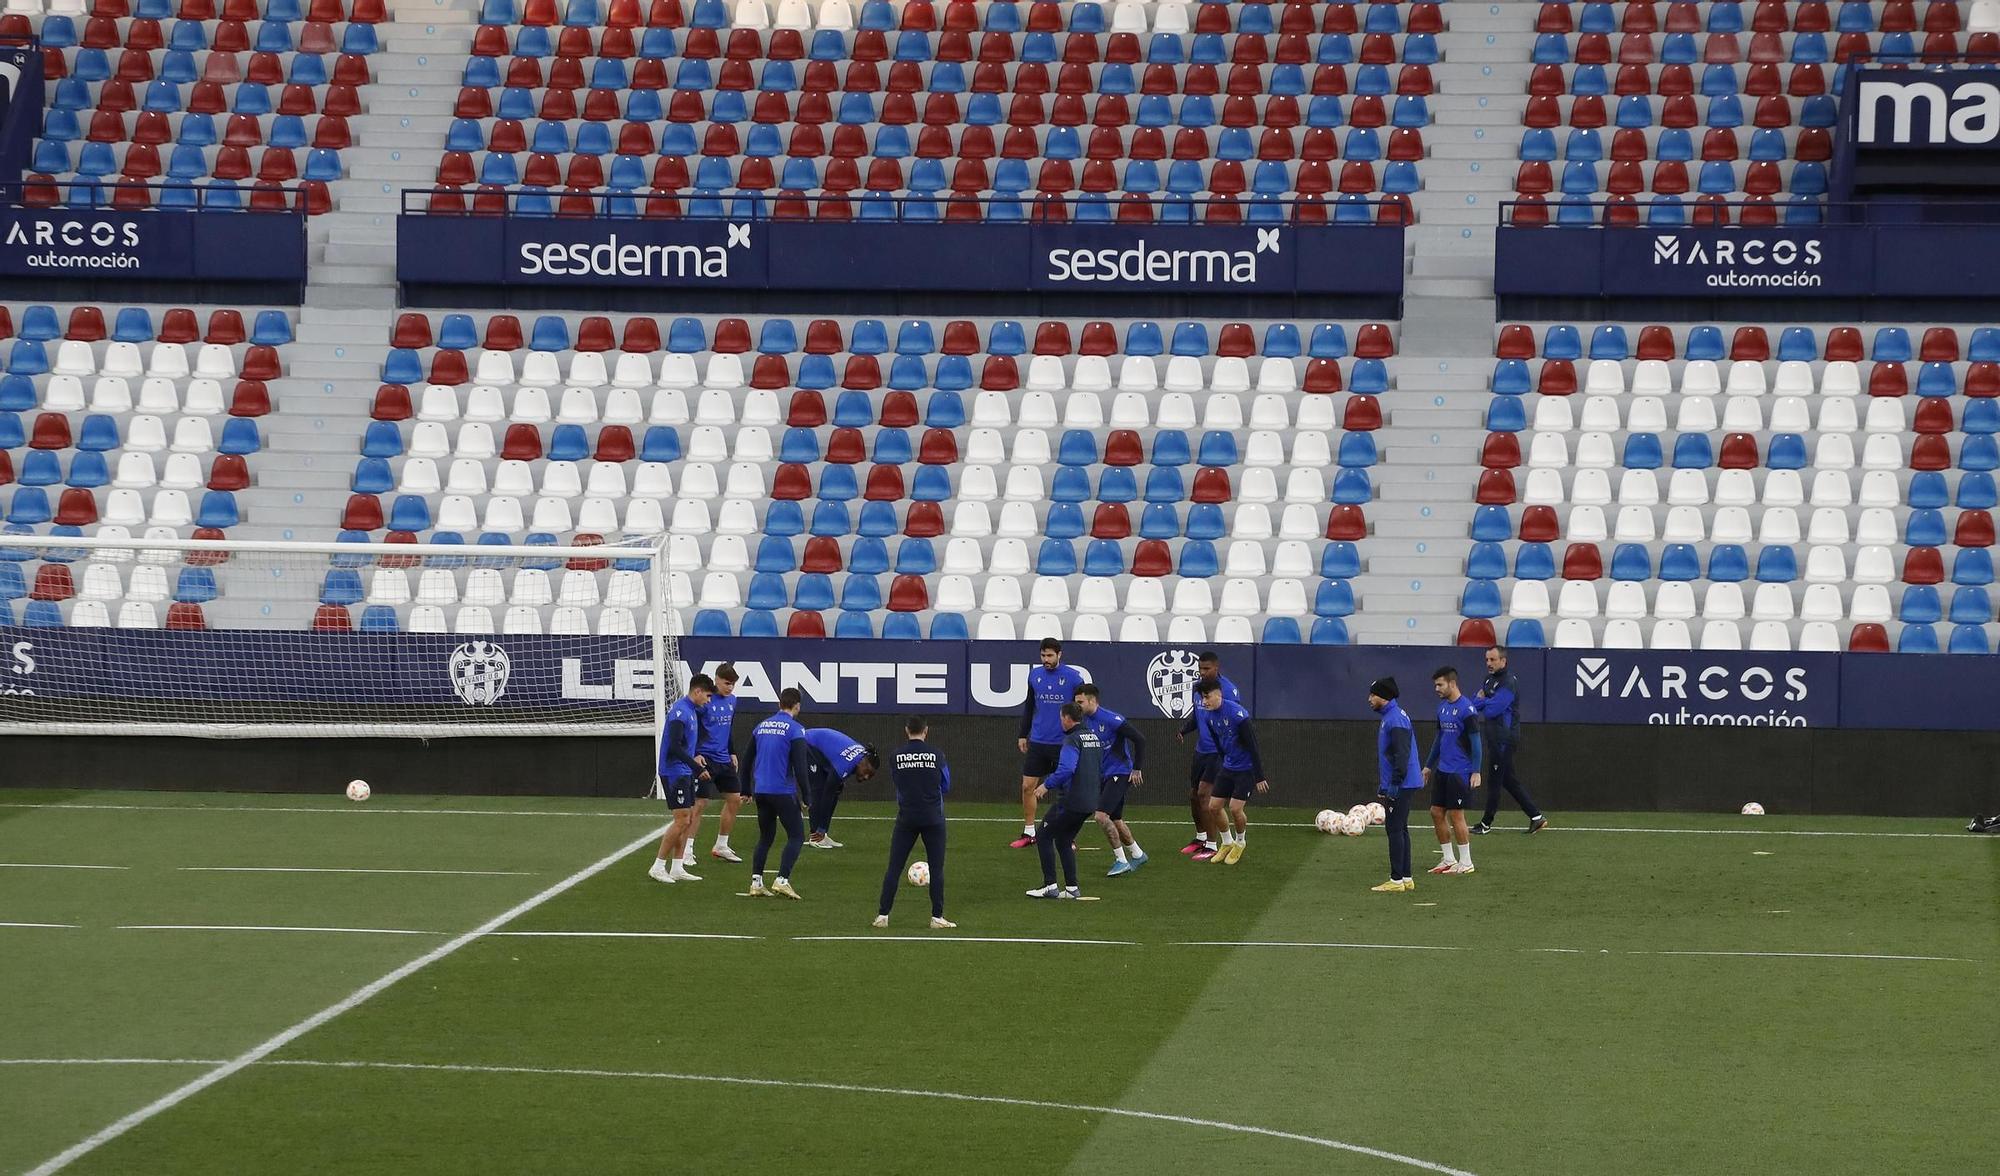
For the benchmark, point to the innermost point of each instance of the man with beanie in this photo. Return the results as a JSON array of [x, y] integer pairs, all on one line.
[[1396, 753]]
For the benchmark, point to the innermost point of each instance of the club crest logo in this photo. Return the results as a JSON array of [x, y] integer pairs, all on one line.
[[479, 672], [1170, 679]]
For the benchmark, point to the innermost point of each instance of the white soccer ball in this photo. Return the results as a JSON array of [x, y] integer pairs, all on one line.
[[1327, 821], [1377, 814], [1753, 809], [1354, 824], [920, 873], [1361, 811], [358, 790]]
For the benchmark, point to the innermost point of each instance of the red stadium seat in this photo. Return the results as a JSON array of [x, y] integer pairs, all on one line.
[[1501, 451], [1111, 520], [1923, 565], [1868, 638], [822, 555], [1582, 561], [1347, 523], [1476, 633], [1153, 558], [392, 403], [1974, 529], [1538, 524], [1496, 488], [184, 616], [363, 513]]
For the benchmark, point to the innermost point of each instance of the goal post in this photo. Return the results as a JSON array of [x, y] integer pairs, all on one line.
[[228, 638]]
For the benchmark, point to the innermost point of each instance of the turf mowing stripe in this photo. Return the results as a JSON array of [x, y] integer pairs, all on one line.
[[1813, 955], [848, 1088], [617, 935], [346, 870], [1282, 943], [55, 866], [271, 1045], [958, 939], [244, 927]]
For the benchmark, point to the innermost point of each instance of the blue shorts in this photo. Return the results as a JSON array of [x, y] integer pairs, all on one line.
[[1231, 785], [680, 792], [1450, 791], [1111, 797], [1202, 769]]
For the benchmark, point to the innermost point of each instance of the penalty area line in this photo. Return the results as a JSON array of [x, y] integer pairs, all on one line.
[[285, 1037]]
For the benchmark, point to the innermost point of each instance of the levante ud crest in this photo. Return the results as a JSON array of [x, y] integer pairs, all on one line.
[[479, 672]]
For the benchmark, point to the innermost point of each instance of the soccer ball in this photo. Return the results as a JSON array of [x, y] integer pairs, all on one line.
[[920, 873], [1359, 811], [358, 790], [1376, 813], [1327, 821], [1753, 809], [1354, 824]]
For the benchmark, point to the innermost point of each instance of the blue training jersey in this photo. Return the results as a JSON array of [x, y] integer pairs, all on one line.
[[1204, 743], [777, 752], [1048, 692], [682, 737], [1396, 749], [1124, 747], [1235, 741], [922, 778], [1457, 748], [1499, 707], [717, 720], [841, 752]]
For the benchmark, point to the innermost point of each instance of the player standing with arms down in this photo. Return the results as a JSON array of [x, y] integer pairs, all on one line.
[[1498, 705], [922, 777], [1078, 775], [1239, 769], [679, 774], [1452, 771], [1124, 756], [718, 721], [1051, 686], [835, 759], [779, 772], [1396, 754], [1201, 772]]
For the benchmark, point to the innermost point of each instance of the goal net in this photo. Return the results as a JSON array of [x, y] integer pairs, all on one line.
[[228, 638]]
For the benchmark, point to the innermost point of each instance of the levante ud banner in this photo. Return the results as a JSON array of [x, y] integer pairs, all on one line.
[[67, 674]]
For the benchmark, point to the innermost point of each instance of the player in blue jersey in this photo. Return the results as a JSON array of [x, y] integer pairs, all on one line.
[[922, 778], [1399, 779], [1499, 704], [1239, 769], [680, 774], [1076, 780], [835, 759], [717, 755], [1201, 771], [778, 772], [1452, 771], [1051, 687], [1124, 756]]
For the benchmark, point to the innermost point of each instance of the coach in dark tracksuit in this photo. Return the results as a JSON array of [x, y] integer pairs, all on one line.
[[922, 777], [1498, 705], [1401, 778], [1079, 776]]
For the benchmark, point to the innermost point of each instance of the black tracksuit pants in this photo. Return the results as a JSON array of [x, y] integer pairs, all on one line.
[[1056, 838], [1500, 774], [902, 839], [772, 811], [1396, 822]]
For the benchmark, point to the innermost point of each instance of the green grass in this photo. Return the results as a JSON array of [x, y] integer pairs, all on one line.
[[1500, 1056]]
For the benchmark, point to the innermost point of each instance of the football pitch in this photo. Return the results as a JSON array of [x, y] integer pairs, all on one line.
[[204, 983]]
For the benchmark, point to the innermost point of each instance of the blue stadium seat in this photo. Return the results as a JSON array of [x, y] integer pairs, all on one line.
[[1964, 639], [1534, 561], [1198, 559], [1972, 566], [1777, 565], [1334, 598], [1728, 564], [1481, 600], [1329, 631], [1340, 561], [1525, 633], [341, 586], [42, 614], [380, 618], [949, 626], [1917, 639], [1631, 561], [1492, 523], [1971, 606], [1925, 528], [1927, 491], [1281, 631], [1920, 605]]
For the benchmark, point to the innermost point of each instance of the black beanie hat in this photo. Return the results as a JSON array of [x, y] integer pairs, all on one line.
[[1384, 688]]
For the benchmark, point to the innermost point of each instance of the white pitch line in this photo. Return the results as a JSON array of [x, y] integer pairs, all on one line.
[[348, 870], [1286, 943], [1813, 955], [271, 1045], [62, 926], [853, 1088], [110, 1062], [617, 935], [249, 927], [55, 866], [958, 939], [641, 816]]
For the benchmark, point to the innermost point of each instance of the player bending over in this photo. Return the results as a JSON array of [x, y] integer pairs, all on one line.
[[1078, 776], [778, 773], [835, 760], [922, 777], [1452, 771], [1201, 772], [715, 753], [679, 774], [1239, 769], [1124, 754], [1051, 686]]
